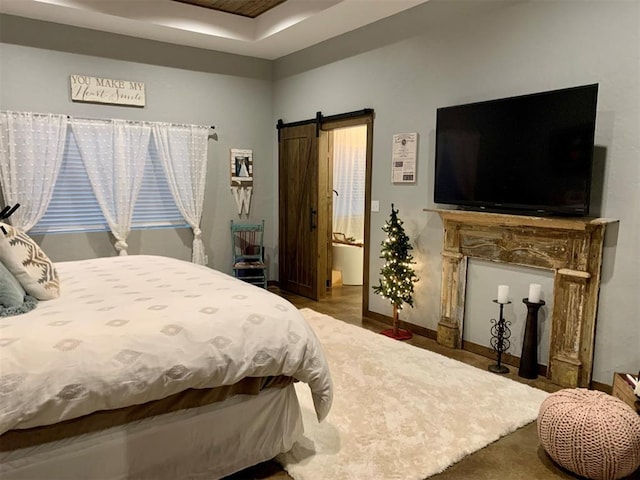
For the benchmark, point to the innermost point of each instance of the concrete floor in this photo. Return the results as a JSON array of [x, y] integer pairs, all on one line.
[[517, 456]]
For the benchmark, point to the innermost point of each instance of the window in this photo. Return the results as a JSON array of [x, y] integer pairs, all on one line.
[[74, 208], [155, 206]]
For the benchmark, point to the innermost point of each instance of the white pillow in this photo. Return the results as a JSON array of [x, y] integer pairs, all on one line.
[[29, 264]]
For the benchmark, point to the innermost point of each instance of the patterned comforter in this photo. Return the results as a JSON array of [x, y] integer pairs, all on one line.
[[128, 330]]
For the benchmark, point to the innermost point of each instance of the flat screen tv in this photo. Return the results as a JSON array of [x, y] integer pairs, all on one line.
[[528, 154]]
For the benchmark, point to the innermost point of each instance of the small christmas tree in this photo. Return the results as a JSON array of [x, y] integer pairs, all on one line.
[[397, 275]]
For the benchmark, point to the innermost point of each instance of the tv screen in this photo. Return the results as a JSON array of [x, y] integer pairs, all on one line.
[[525, 154]]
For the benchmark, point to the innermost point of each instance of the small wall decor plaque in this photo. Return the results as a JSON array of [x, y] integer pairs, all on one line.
[[106, 90], [404, 158], [242, 178]]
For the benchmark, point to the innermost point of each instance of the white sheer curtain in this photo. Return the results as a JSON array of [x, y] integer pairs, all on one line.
[[349, 169], [31, 148], [114, 153], [183, 152]]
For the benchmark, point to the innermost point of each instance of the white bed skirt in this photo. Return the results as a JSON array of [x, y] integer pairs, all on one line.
[[202, 443]]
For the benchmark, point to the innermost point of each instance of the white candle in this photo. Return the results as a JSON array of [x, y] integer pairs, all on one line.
[[534, 292], [503, 293]]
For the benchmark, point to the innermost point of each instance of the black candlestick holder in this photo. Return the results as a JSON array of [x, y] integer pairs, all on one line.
[[500, 333], [529, 358]]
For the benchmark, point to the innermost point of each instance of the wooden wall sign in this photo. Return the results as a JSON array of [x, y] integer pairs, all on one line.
[[571, 247], [106, 90], [242, 178]]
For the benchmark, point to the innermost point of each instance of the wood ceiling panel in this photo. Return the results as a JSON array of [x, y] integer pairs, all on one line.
[[245, 8]]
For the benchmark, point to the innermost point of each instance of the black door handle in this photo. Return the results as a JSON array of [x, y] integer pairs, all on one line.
[[312, 224]]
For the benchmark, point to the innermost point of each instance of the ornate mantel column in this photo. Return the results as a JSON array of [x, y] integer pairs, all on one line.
[[454, 274]]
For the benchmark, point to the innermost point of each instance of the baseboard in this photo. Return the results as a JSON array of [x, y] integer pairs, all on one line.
[[603, 387], [469, 346], [506, 357], [472, 347], [417, 329]]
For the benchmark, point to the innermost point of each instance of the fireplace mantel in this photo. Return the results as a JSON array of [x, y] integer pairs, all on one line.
[[571, 247]]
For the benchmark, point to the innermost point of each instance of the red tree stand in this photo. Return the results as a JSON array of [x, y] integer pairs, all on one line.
[[396, 332]]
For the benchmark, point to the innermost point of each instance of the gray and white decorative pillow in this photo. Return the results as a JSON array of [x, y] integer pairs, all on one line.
[[29, 264]]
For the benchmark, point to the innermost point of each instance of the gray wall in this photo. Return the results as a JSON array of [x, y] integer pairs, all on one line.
[[445, 53], [183, 85], [440, 53]]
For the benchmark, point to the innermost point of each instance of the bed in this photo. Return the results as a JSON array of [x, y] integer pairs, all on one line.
[[150, 367]]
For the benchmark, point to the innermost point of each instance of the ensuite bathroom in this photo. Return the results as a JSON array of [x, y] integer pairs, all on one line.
[[349, 173]]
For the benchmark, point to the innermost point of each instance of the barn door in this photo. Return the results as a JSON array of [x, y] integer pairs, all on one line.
[[302, 221], [305, 202]]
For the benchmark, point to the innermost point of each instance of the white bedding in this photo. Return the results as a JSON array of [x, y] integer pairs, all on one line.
[[127, 330]]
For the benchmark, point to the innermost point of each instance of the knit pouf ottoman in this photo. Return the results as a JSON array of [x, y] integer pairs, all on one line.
[[590, 433]]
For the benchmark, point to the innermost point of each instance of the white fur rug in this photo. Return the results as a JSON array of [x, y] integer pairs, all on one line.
[[400, 412]]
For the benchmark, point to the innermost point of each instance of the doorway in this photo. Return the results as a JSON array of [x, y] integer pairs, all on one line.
[[306, 202], [349, 166]]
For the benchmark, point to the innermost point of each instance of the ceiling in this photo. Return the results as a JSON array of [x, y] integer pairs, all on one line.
[[283, 28]]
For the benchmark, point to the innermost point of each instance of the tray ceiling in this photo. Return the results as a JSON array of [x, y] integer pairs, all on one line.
[[245, 8], [284, 27]]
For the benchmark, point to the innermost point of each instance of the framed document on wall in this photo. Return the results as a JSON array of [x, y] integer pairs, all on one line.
[[404, 158]]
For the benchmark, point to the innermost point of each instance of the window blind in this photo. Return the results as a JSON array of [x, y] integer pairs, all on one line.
[[74, 207]]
